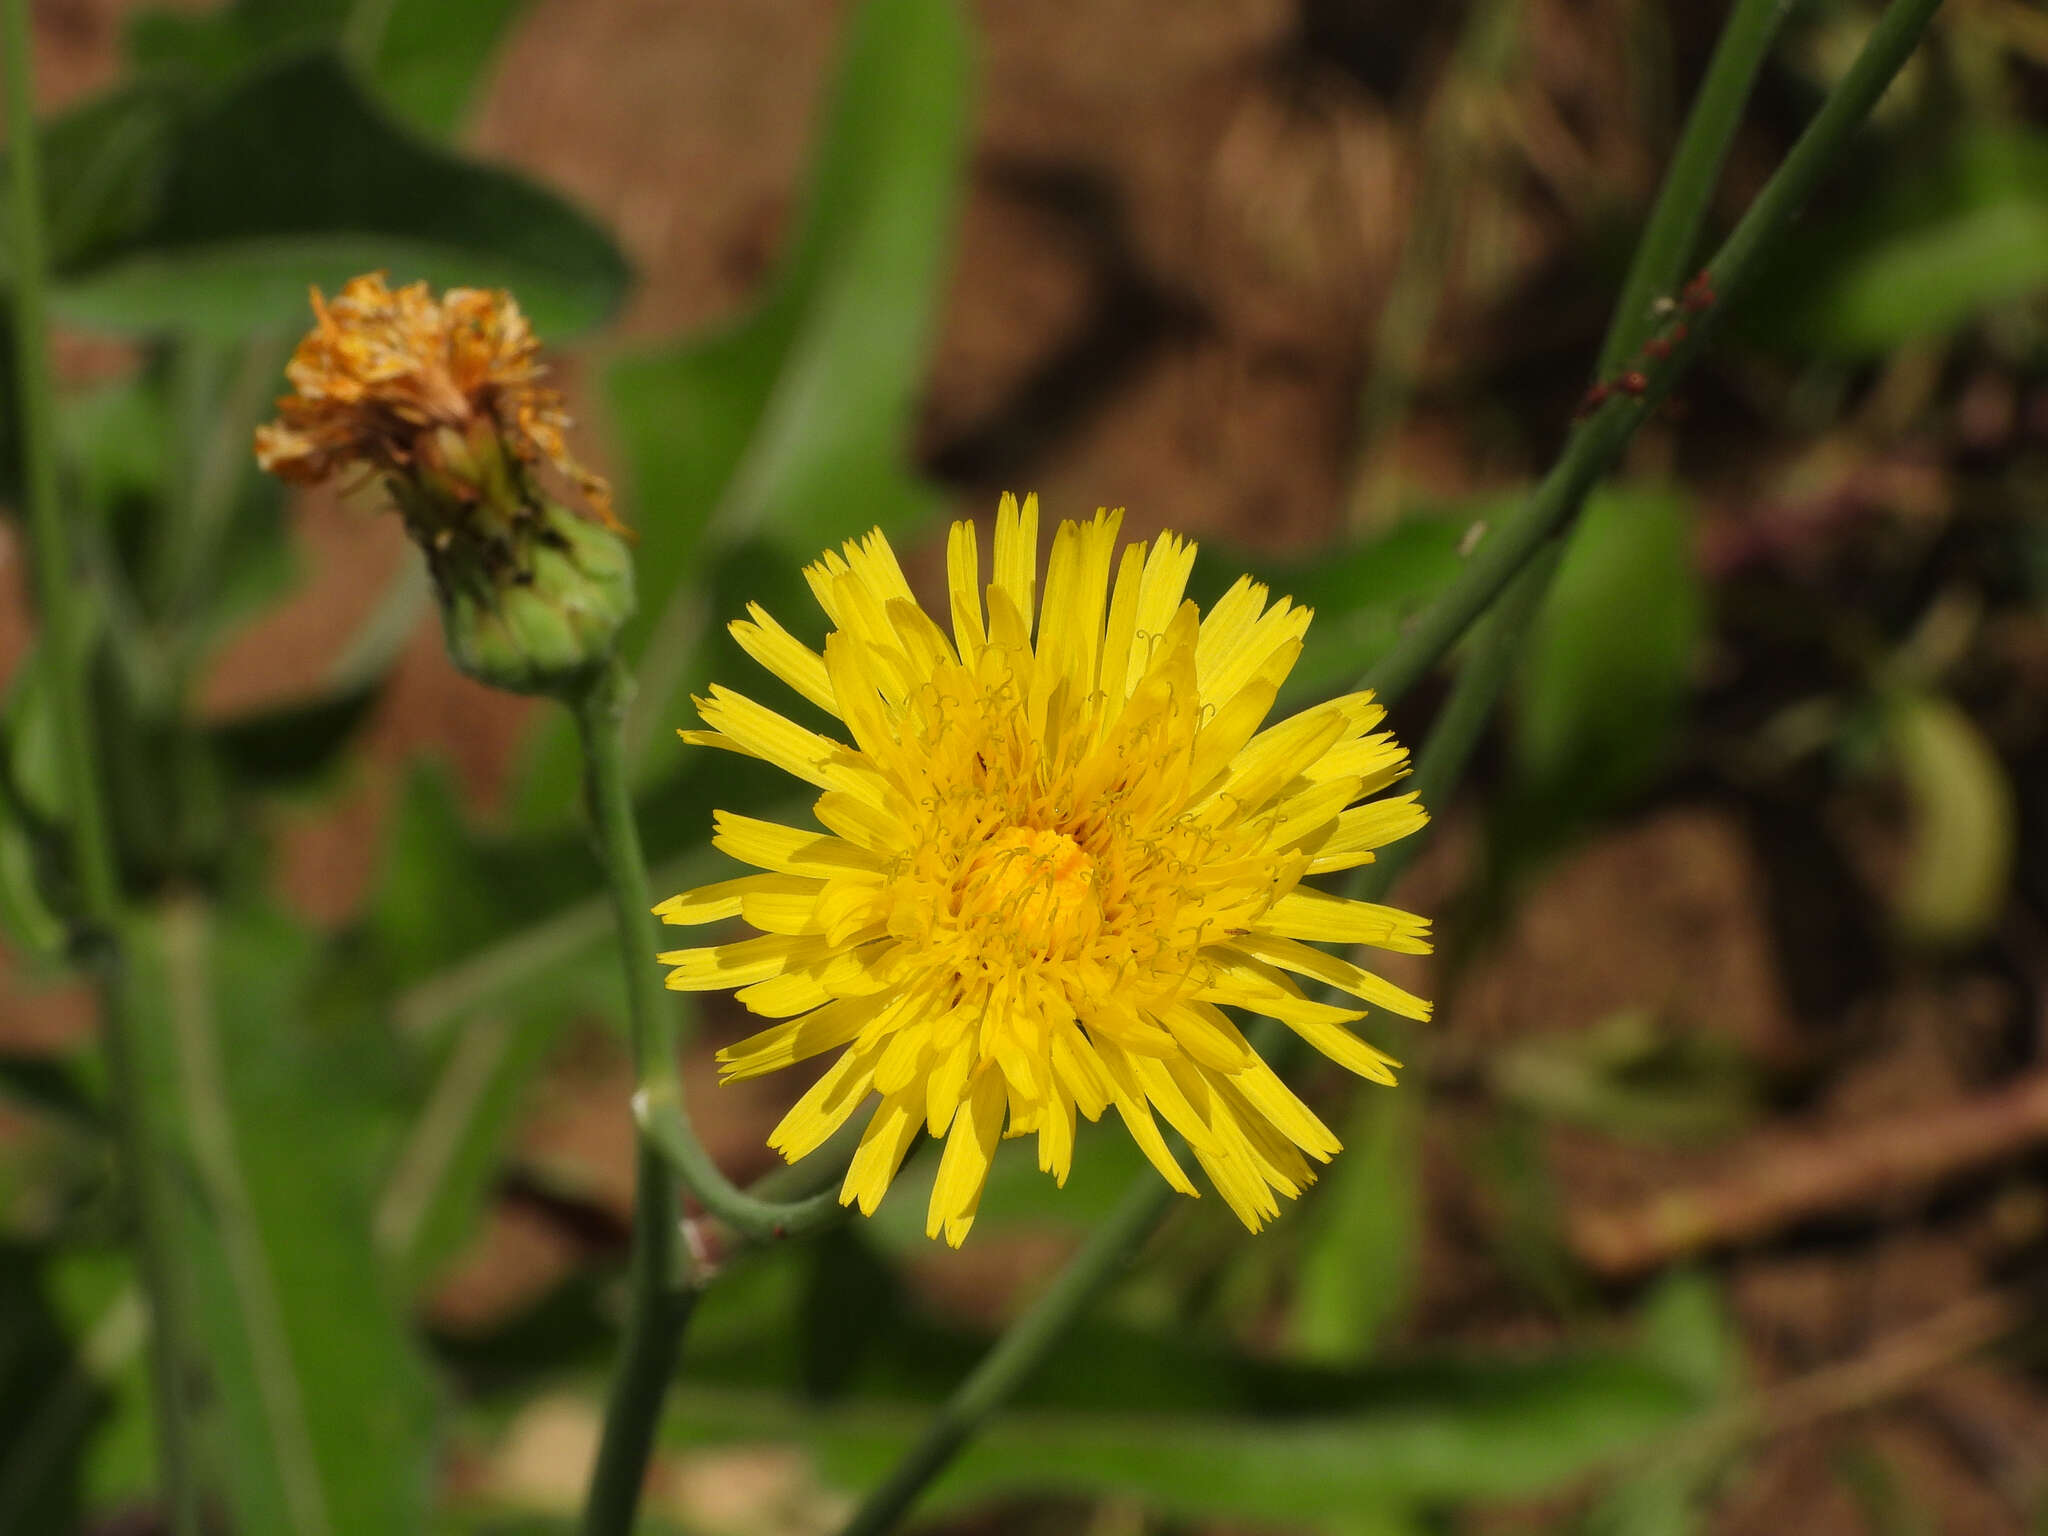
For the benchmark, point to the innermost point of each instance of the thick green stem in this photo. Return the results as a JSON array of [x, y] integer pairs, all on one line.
[[93, 865], [660, 1289], [1521, 559], [659, 1309]]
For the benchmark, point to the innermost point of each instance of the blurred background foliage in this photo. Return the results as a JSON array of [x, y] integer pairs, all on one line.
[[1746, 896]]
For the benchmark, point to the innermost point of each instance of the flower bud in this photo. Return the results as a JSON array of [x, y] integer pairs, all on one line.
[[442, 400]]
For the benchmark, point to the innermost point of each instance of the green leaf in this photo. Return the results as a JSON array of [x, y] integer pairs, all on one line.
[[34, 853], [285, 746], [48, 1084], [425, 56], [295, 177], [96, 1293], [448, 1166], [1632, 1075], [432, 56], [1436, 1432], [1357, 1274], [47, 1404], [1684, 1327], [1964, 814], [1919, 250], [445, 891], [324, 1420], [103, 169], [1610, 656], [226, 44], [1159, 1416], [792, 427]]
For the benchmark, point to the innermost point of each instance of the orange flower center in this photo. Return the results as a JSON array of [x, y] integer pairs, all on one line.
[[1034, 884]]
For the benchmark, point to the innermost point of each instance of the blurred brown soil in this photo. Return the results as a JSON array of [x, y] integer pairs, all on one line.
[[1181, 226]]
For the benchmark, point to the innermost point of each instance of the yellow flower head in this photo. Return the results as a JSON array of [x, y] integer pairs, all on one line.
[[1049, 867], [395, 381]]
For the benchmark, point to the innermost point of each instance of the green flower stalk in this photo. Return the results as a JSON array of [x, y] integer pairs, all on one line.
[[443, 400]]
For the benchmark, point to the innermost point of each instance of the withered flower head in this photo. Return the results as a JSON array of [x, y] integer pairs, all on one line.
[[443, 400]]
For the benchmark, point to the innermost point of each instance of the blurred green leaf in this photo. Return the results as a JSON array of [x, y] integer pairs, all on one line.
[[1357, 1271], [48, 1084], [295, 177], [1920, 250], [224, 44], [35, 777], [1631, 1075], [47, 1404], [102, 1307], [285, 746], [325, 1411], [27, 916], [1964, 818], [448, 1166], [1196, 1431], [425, 57], [1437, 1432], [1684, 1326], [1887, 1504], [446, 891], [33, 854], [432, 54], [1610, 655], [104, 163], [792, 426]]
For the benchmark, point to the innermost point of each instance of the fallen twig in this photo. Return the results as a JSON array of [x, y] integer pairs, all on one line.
[[1786, 1179]]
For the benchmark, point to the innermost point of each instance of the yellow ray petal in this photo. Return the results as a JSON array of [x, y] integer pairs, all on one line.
[[1076, 588], [1332, 970], [776, 649], [1056, 1136], [947, 1082], [1206, 1035], [710, 903], [963, 586], [828, 1105], [1282, 1107], [855, 685], [1354, 836], [1129, 1097], [1016, 558], [891, 1130], [737, 964], [794, 1040], [790, 909], [963, 1169], [1325, 919], [1159, 600], [737, 722], [1113, 672], [791, 850]]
